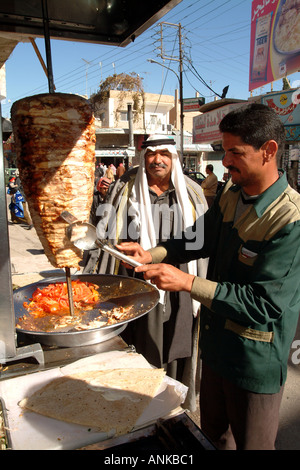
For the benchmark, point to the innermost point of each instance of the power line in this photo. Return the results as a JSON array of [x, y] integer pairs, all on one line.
[[136, 53]]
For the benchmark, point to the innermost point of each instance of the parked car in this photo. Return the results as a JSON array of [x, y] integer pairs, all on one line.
[[196, 176]]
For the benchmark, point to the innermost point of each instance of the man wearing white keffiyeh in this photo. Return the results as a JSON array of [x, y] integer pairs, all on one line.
[[140, 197], [149, 204]]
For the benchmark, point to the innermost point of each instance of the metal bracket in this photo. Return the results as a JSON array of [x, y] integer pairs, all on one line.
[[32, 350]]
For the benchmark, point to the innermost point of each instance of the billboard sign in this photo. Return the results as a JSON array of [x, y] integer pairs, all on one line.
[[275, 41]]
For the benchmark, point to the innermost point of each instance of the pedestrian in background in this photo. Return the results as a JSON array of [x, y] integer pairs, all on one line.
[[120, 171], [100, 192], [210, 185], [110, 174]]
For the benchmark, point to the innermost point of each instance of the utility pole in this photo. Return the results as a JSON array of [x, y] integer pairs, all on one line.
[[181, 93], [180, 79]]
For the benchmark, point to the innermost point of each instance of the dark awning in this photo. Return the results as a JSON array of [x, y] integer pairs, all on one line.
[[115, 22]]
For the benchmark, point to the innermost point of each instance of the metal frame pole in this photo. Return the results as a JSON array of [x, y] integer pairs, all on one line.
[[7, 314], [48, 46]]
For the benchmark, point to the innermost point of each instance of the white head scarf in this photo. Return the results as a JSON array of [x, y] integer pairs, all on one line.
[[140, 193]]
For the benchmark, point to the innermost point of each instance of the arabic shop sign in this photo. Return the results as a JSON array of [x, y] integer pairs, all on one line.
[[206, 125], [287, 105], [192, 104], [129, 152]]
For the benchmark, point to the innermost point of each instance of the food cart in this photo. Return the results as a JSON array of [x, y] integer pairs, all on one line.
[[32, 360]]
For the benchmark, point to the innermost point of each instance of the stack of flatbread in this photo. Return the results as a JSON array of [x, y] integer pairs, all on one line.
[[110, 400]]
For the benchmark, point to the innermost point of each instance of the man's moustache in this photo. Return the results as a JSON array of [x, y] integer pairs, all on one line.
[[232, 168], [157, 165]]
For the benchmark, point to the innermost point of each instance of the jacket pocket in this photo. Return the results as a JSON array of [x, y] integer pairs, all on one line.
[[247, 256]]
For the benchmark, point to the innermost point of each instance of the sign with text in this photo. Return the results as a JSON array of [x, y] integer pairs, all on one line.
[[275, 41], [286, 104], [206, 125], [192, 104]]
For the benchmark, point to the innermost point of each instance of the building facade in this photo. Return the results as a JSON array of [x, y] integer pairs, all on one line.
[[285, 103], [123, 121]]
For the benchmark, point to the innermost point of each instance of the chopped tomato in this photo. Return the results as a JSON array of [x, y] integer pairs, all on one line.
[[53, 299]]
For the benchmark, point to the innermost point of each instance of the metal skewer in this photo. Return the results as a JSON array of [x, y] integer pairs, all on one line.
[[70, 292]]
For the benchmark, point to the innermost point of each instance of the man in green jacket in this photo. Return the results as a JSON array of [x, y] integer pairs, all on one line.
[[251, 297]]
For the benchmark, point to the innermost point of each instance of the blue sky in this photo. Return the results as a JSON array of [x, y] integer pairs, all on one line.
[[216, 47]]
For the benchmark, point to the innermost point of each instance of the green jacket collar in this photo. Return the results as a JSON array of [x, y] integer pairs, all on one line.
[[268, 196]]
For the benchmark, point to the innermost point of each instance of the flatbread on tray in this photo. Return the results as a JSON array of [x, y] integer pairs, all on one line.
[[110, 400]]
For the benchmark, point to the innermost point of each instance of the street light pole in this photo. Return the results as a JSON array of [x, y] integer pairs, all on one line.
[[179, 78]]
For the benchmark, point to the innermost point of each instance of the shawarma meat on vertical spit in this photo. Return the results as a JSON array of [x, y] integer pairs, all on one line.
[[55, 145]]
